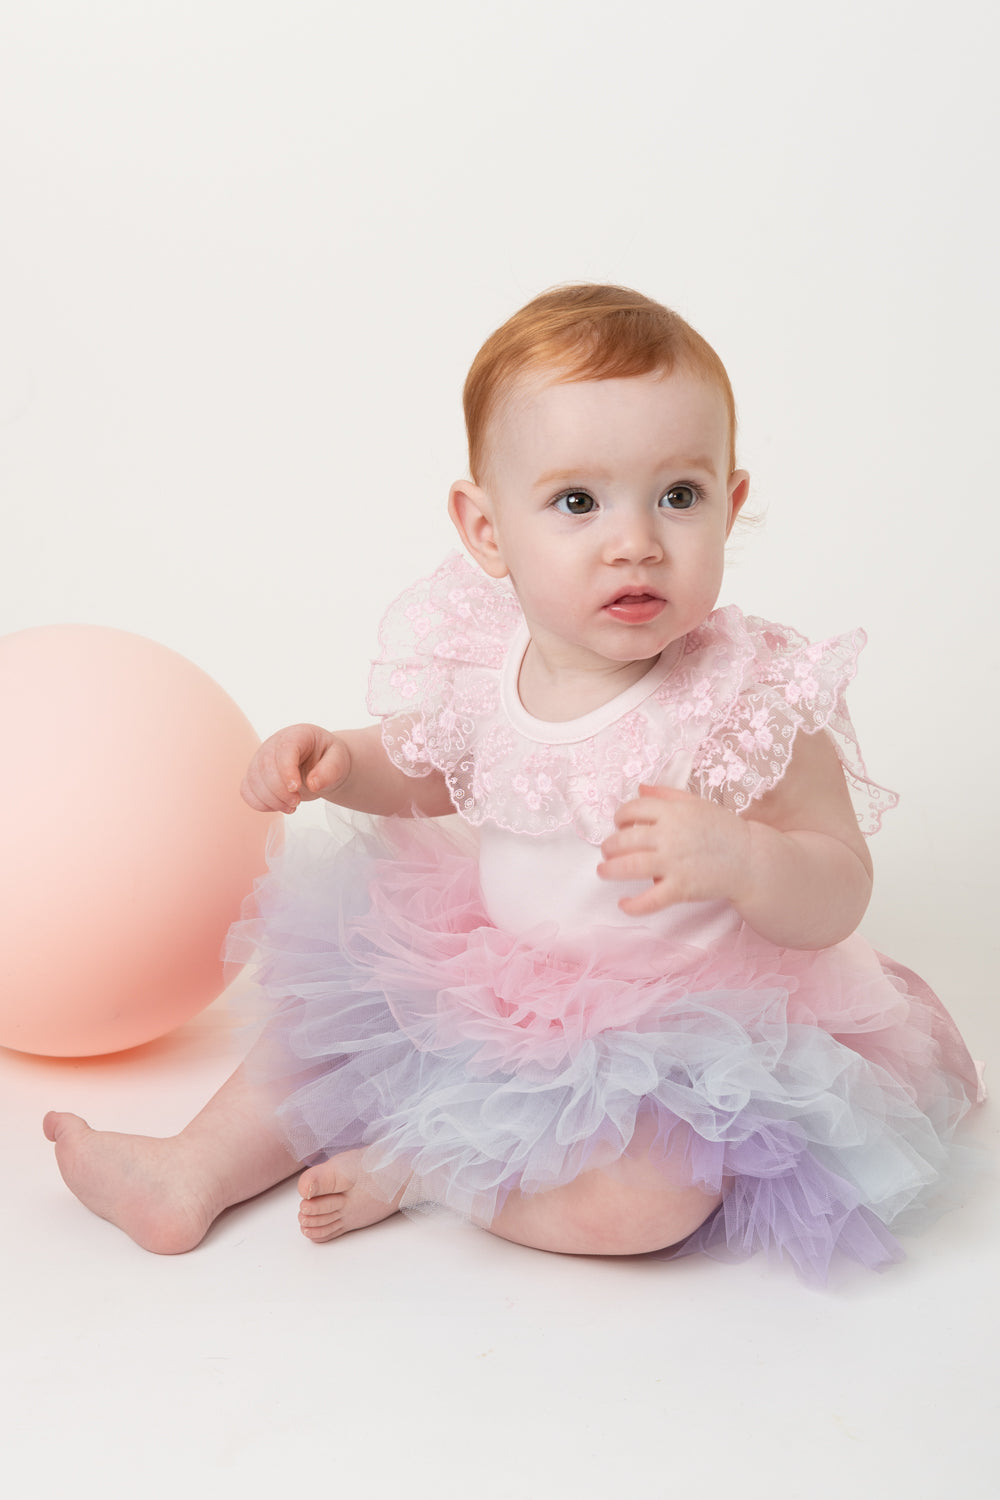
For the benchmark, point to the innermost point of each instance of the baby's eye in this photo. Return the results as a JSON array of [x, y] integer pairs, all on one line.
[[575, 503], [680, 497]]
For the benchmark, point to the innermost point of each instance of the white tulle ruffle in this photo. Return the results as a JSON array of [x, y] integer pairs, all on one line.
[[818, 1091]]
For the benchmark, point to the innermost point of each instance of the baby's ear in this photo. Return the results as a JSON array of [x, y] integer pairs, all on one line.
[[739, 489], [472, 512]]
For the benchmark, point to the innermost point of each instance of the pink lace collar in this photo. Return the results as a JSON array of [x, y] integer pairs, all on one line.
[[732, 701]]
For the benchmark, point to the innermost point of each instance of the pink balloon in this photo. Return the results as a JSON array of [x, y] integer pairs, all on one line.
[[125, 847]]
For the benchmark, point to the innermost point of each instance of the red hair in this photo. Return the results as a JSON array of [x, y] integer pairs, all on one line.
[[585, 332]]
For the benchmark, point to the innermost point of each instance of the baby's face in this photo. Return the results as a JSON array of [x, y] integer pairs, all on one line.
[[608, 503]]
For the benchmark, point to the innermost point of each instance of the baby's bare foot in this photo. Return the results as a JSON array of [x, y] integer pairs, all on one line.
[[337, 1197], [148, 1187]]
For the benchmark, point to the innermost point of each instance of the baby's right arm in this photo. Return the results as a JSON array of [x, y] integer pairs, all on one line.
[[349, 768]]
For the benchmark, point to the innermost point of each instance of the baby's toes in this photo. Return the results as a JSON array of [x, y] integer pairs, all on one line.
[[322, 1226], [321, 1236], [318, 1212], [312, 1185], [338, 1175], [322, 1206]]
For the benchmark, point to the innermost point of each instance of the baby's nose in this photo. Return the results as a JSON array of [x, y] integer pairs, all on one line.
[[635, 539]]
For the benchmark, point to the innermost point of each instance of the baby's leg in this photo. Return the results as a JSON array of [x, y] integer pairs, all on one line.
[[599, 1214], [628, 1212], [166, 1193]]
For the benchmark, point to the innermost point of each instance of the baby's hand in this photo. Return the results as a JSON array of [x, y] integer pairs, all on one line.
[[690, 849], [295, 765]]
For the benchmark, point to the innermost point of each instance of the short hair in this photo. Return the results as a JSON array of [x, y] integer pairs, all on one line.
[[585, 331]]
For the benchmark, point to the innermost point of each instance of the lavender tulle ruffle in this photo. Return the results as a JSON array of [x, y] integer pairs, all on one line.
[[817, 1092]]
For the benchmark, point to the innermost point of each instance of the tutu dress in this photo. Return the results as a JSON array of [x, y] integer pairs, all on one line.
[[463, 996]]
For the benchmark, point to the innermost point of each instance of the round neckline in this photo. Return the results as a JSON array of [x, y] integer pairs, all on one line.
[[567, 731]]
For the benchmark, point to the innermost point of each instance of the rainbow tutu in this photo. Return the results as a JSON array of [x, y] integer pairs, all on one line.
[[818, 1092]]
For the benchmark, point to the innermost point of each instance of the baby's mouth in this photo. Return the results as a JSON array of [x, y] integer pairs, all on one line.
[[636, 607]]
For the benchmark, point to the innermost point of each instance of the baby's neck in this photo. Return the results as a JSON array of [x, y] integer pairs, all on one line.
[[558, 692]]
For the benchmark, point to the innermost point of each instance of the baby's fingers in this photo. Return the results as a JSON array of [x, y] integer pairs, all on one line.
[[630, 855], [654, 898], [287, 761], [648, 806], [627, 840], [272, 782], [266, 793], [642, 810], [330, 770], [639, 865]]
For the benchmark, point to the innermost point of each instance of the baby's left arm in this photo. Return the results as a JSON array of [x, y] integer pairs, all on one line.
[[794, 865]]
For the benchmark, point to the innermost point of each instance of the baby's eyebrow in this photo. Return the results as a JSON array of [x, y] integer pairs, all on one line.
[[706, 465], [571, 476], [683, 464]]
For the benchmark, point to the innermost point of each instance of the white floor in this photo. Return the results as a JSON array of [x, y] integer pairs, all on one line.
[[424, 1358]]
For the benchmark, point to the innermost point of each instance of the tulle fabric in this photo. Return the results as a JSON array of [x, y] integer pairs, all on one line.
[[817, 1092]]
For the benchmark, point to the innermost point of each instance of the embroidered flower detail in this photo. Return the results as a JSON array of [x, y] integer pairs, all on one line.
[[758, 735]]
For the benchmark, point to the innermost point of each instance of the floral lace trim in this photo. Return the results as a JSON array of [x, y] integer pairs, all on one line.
[[732, 707], [797, 685]]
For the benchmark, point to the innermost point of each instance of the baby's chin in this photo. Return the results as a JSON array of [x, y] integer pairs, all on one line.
[[627, 638]]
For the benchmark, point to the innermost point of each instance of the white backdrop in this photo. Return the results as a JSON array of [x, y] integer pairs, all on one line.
[[249, 248]]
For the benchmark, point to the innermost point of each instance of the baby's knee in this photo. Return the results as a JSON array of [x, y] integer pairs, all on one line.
[[622, 1219]]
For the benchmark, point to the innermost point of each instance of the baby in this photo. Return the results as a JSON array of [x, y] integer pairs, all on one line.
[[623, 1007]]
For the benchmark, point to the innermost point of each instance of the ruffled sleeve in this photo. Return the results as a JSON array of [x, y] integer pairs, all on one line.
[[442, 646], [790, 685]]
